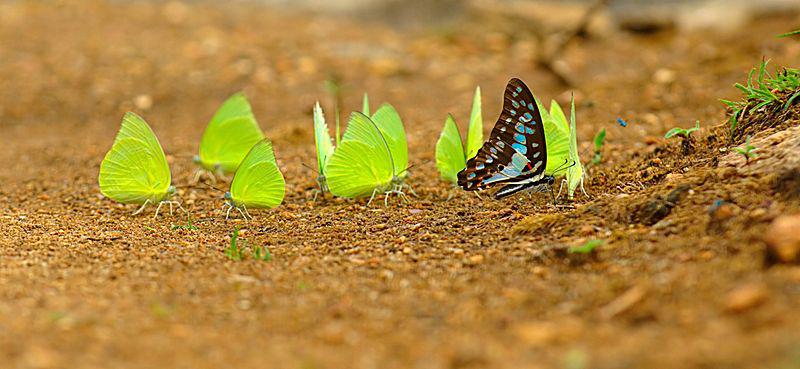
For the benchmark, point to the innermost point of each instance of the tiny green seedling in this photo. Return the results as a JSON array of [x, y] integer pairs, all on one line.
[[682, 132], [748, 151], [686, 135], [789, 34], [189, 226], [586, 248], [260, 253], [237, 253], [234, 252], [599, 142]]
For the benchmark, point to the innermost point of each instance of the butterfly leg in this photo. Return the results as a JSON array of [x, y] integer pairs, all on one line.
[[478, 194], [246, 212], [409, 189], [181, 207], [141, 208], [561, 187], [242, 213], [553, 195], [228, 213], [158, 209], [372, 197]]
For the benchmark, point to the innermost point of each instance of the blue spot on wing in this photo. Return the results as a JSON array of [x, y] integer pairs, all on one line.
[[520, 127], [521, 148], [529, 130], [519, 137]]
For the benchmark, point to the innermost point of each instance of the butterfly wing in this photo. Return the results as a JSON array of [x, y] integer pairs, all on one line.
[[135, 169], [365, 105], [391, 126], [258, 182], [556, 129], [575, 173], [322, 138], [362, 162], [516, 151], [230, 135], [450, 157], [475, 128]]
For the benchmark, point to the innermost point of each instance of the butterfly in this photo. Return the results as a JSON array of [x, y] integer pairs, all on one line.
[[562, 146], [451, 155], [372, 156], [229, 136], [135, 170], [258, 182], [516, 153], [324, 144]]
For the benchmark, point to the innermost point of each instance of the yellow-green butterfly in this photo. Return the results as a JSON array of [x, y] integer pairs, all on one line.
[[562, 146], [229, 136], [135, 170], [258, 183], [451, 155], [324, 143], [372, 157]]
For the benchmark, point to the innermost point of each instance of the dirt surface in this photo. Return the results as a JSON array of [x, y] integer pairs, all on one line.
[[681, 281]]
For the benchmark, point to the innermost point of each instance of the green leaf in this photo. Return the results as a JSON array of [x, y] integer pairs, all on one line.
[[675, 132], [587, 247], [599, 139]]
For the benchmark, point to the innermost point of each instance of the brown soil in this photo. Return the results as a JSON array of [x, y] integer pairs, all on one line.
[[464, 283]]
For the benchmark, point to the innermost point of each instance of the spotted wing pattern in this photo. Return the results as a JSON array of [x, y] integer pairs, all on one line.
[[516, 152]]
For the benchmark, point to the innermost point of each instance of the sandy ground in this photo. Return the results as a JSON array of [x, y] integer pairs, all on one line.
[[433, 283]]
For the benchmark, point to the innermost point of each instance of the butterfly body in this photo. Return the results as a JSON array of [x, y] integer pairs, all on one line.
[[135, 170], [372, 157], [228, 137], [451, 154], [258, 182], [516, 153]]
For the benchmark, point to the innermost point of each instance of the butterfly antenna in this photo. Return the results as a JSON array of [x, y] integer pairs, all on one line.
[[312, 169], [407, 168], [213, 188], [565, 166]]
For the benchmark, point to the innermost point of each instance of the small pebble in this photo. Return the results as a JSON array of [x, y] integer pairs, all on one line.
[[783, 240], [746, 297]]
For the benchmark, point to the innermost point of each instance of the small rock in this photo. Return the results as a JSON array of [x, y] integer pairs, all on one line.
[[476, 259], [664, 76], [783, 240], [746, 297], [143, 102]]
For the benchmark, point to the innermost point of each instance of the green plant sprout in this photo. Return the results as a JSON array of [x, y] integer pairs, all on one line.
[[763, 89], [236, 253], [686, 135], [260, 253], [748, 151], [789, 34], [599, 142], [682, 132], [586, 248], [189, 226]]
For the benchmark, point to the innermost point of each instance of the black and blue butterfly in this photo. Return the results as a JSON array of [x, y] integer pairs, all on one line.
[[516, 153]]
